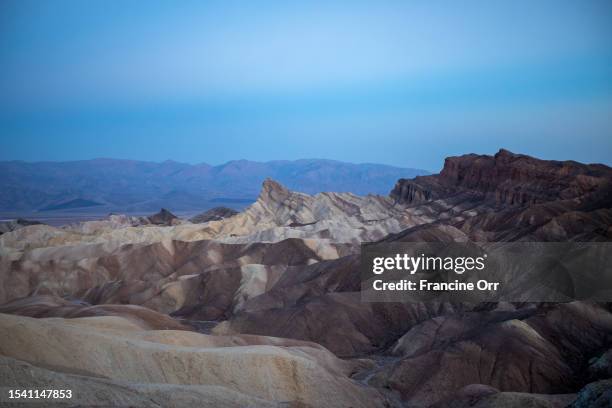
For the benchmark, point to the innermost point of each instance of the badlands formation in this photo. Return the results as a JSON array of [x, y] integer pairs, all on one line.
[[262, 308]]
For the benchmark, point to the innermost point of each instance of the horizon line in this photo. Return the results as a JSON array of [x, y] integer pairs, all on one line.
[[208, 164]]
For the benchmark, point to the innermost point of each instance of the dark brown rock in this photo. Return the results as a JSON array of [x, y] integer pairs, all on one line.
[[214, 214], [541, 352], [508, 179], [163, 217]]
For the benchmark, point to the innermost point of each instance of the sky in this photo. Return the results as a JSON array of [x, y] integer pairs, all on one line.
[[405, 83]]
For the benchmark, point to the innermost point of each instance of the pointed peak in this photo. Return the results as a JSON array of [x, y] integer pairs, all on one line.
[[504, 153], [273, 191], [273, 185], [163, 217]]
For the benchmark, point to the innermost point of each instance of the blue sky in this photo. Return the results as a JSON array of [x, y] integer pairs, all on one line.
[[405, 83]]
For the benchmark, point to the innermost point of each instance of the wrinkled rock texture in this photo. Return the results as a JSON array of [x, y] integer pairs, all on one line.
[[262, 307]]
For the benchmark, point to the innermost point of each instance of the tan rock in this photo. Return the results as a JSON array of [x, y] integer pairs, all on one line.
[[110, 349]]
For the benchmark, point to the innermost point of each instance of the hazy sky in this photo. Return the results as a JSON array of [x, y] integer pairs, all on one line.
[[405, 83]]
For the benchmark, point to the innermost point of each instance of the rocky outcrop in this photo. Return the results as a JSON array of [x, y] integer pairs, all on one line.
[[214, 214], [8, 226], [601, 366], [510, 197], [542, 351], [597, 394], [163, 217], [483, 396], [277, 208], [510, 179]]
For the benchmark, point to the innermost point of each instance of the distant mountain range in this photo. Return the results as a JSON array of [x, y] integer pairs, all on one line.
[[129, 185]]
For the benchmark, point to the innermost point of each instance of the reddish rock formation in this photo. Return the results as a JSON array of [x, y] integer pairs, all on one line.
[[510, 197], [510, 179]]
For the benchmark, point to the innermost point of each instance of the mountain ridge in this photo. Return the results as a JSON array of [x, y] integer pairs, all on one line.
[[508, 178], [132, 185]]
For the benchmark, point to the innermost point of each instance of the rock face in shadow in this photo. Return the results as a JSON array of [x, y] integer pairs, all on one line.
[[322, 303], [214, 214], [540, 351], [509, 197], [597, 394], [509, 179], [483, 396], [163, 217], [8, 226]]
